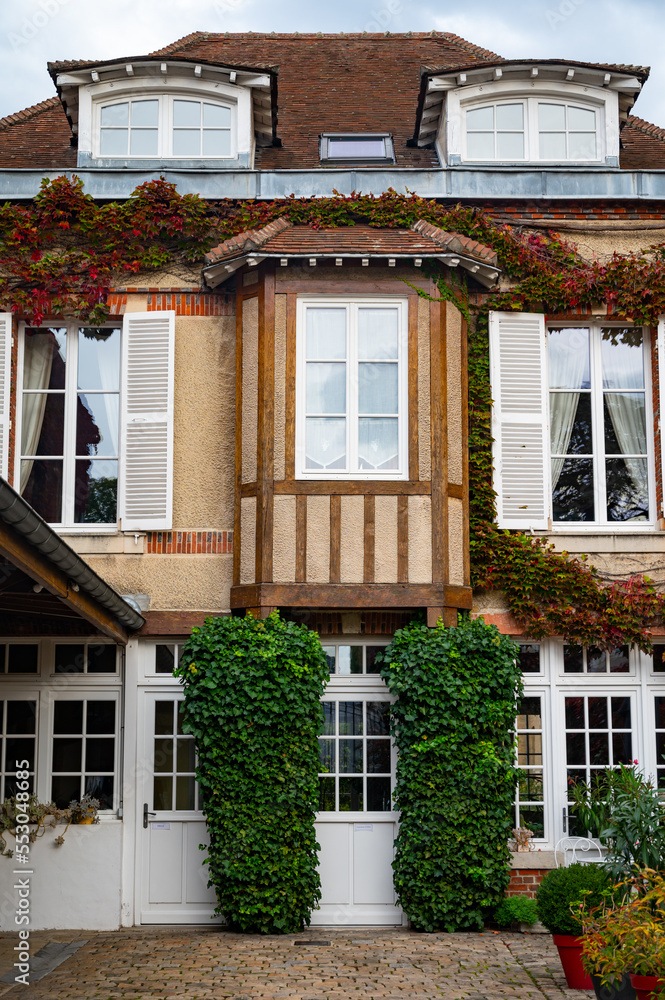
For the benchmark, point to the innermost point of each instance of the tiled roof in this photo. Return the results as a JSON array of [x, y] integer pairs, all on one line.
[[282, 237], [642, 145], [38, 137]]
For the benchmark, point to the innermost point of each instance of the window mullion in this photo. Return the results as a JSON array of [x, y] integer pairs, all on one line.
[[69, 442]]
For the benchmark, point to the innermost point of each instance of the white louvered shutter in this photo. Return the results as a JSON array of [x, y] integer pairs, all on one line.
[[518, 361], [146, 458], [5, 379], [661, 404]]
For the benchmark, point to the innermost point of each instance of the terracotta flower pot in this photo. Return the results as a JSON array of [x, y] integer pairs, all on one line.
[[646, 987], [570, 953]]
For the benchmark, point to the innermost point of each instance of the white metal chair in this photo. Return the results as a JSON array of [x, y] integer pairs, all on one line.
[[582, 850]]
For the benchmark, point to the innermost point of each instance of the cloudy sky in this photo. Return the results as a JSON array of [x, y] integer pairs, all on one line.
[[613, 31]]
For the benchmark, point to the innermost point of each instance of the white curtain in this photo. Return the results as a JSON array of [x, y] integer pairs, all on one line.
[[566, 370], [37, 364], [628, 421]]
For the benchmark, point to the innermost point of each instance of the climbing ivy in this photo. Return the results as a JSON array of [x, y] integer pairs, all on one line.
[[63, 253], [453, 723], [252, 702]]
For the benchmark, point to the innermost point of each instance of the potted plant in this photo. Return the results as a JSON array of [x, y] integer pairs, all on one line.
[[560, 892], [84, 811], [628, 937]]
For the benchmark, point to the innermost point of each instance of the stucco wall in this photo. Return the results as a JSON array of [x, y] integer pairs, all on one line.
[[177, 582], [602, 244], [247, 539], [284, 539], [318, 539], [385, 539], [352, 543], [455, 542], [420, 539]]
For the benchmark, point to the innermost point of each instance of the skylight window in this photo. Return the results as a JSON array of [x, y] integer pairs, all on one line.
[[340, 147]]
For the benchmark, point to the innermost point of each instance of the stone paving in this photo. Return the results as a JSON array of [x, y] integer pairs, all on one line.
[[377, 964]]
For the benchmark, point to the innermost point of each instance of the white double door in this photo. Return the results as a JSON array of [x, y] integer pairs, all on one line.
[[173, 878]]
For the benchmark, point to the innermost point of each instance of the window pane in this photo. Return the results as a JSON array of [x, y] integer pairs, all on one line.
[[582, 146], [329, 718], [351, 718], [596, 661], [552, 146], [326, 756], [329, 653], [23, 658], [350, 756], [552, 117], [575, 748], [99, 754], [64, 788], [43, 423], [377, 388], [622, 748], [529, 659], [185, 793], [187, 114], [378, 446], [573, 662], [574, 713], [44, 359], [96, 492], [100, 787], [98, 359], [581, 119], [145, 113], [115, 114], [573, 496], [143, 142], [509, 117], [660, 716], [326, 334], [625, 423], [163, 793], [97, 419], [113, 142], [371, 664], [325, 443], [186, 142], [480, 145], [100, 717], [163, 717], [568, 351], [570, 423], [627, 489], [510, 146], [378, 756], [216, 116], [349, 659], [326, 795], [355, 148], [529, 714], [377, 334], [619, 662], [658, 659], [621, 714], [163, 755], [598, 718], [351, 794], [68, 717], [67, 753], [216, 143], [532, 817], [102, 659], [69, 658], [378, 795], [480, 118], [326, 387], [21, 716], [19, 749], [164, 659], [622, 359], [43, 488], [378, 718]]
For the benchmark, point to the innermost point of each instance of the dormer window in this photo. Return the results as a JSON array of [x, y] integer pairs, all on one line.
[[339, 147], [532, 129], [166, 126]]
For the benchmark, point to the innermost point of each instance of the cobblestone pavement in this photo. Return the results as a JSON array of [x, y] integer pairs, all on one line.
[[377, 964]]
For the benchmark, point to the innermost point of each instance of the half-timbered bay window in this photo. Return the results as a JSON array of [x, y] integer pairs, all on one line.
[[571, 424], [95, 423], [351, 404]]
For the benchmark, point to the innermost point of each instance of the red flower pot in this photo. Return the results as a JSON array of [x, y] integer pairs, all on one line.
[[646, 986], [570, 953]]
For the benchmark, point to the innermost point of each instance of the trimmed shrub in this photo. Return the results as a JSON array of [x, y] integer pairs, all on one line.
[[516, 910], [565, 887], [453, 722], [252, 702]]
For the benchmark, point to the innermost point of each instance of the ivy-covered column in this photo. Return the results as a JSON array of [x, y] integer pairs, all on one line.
[[252, 701], [454, 722]]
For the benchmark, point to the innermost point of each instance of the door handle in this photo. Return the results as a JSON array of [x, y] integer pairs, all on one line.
[[146, 813], [565, 819]]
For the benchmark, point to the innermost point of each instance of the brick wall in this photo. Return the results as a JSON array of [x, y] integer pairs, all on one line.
[[525, 881]]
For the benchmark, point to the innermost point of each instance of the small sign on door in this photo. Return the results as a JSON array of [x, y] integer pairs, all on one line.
[[160, 826], [363, 827]]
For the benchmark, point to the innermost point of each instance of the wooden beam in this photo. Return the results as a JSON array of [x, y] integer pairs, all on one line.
[[176, 623], [348, 487], [335, 538], [369, 530], [351, 595], [412, 361], [31, 562]]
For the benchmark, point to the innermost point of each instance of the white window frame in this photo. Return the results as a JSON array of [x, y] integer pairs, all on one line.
[[352, 304], [597, 423], [69, 443], [451, 138], [165, 123]]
